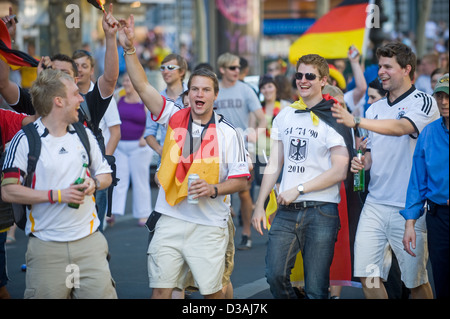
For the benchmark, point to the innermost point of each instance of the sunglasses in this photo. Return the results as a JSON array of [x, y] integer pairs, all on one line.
[[308, 76], [170, 67], [233, 67]]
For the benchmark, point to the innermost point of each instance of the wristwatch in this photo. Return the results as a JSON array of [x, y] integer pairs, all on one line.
[[300, 189], [357, 121], [97, 182]]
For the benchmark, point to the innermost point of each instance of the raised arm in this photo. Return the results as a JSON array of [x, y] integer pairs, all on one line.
[[360, 80], [148, 94], [8, 89], [107, 82]]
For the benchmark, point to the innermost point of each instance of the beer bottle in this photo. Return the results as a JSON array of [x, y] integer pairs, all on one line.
[[79, 180], [359, 178]]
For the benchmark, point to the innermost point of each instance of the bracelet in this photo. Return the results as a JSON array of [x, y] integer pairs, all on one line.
[[50, 197], [59, 196], [215, 193], [130, 52]]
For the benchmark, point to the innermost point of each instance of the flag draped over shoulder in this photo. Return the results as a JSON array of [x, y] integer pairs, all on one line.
[[14, 58], [333, 34], [185, 154]]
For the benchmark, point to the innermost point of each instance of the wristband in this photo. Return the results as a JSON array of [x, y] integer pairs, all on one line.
[[130, 52], [215, 192], [50, 197], [59, 196]]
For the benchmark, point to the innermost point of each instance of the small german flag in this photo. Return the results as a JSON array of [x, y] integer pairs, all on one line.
[[14, 58], [332, 35]]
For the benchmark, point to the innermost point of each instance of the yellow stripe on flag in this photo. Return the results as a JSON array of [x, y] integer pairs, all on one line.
[[330, 45]]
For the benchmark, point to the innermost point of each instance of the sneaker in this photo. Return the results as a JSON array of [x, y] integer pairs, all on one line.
[[246, 243]]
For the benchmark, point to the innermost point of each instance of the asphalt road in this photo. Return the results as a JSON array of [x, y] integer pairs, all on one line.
[[128, 247]]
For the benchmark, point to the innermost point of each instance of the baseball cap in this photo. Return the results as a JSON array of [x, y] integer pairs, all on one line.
[[442, 84]]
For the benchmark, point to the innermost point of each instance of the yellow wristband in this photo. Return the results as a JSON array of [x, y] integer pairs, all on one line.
[[59, 196]]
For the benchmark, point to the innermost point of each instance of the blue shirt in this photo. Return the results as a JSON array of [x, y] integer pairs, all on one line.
[[430, 173]]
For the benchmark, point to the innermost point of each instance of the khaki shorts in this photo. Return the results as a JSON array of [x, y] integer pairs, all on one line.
[[179, 246], [61, 270], [380, 229], [229, 260]]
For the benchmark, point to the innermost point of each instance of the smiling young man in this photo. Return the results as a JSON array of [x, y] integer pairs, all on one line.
[[57, 233], [313, 158], [394, 124], [198, 141]]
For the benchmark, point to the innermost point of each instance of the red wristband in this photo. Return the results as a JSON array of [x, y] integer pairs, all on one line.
[[50, 197]]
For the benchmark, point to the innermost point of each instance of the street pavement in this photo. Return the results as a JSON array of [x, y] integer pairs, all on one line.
[[128, 248]]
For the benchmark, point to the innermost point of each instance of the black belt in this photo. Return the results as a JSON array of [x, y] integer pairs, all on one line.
[[303, 205]]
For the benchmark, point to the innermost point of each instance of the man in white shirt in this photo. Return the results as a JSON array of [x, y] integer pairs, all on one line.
[[394, 124], [313, 157], [61, 238], [190, 236]]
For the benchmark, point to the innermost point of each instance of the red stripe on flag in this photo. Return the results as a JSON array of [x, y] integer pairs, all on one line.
[[343, 18]]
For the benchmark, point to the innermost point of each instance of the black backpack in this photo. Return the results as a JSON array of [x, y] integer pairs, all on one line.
[[16, 213]]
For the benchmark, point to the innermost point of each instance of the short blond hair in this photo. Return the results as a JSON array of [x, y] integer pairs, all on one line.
[[226, 59], [46, 87]]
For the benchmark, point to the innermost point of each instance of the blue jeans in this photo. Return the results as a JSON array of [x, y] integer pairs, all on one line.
[[313, 231]]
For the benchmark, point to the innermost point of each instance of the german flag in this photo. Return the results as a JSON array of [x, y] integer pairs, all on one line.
[[333, 34], [184, 154], [14, 58]]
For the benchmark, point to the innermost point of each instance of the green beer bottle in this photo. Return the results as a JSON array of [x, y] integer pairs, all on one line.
[[80, 180], [359, 178]]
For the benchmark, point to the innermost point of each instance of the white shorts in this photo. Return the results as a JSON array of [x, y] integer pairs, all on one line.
[[382, 227], [179, 246]]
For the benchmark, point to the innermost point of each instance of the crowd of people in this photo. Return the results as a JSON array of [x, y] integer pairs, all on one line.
[[296, 135]]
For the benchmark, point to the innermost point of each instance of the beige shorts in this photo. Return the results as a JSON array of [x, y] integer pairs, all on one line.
[[179, 246], [62, 270], [229, 260], [380, 229]]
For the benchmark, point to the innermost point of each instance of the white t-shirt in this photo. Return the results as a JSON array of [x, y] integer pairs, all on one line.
[[358, 108], [110, 118], [233, 164], [59, 165], [306, 149], [392, 155]]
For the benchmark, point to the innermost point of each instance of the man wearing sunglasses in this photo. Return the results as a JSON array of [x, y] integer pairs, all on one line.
[[173, 70], [237, 102], [313, 157]]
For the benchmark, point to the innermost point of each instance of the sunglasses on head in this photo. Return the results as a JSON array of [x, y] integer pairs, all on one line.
[[170, 67], [308, 76], [234, 67]]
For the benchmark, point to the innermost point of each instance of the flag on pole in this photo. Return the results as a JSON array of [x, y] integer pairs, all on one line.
[[332, 34], [14, 58]]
